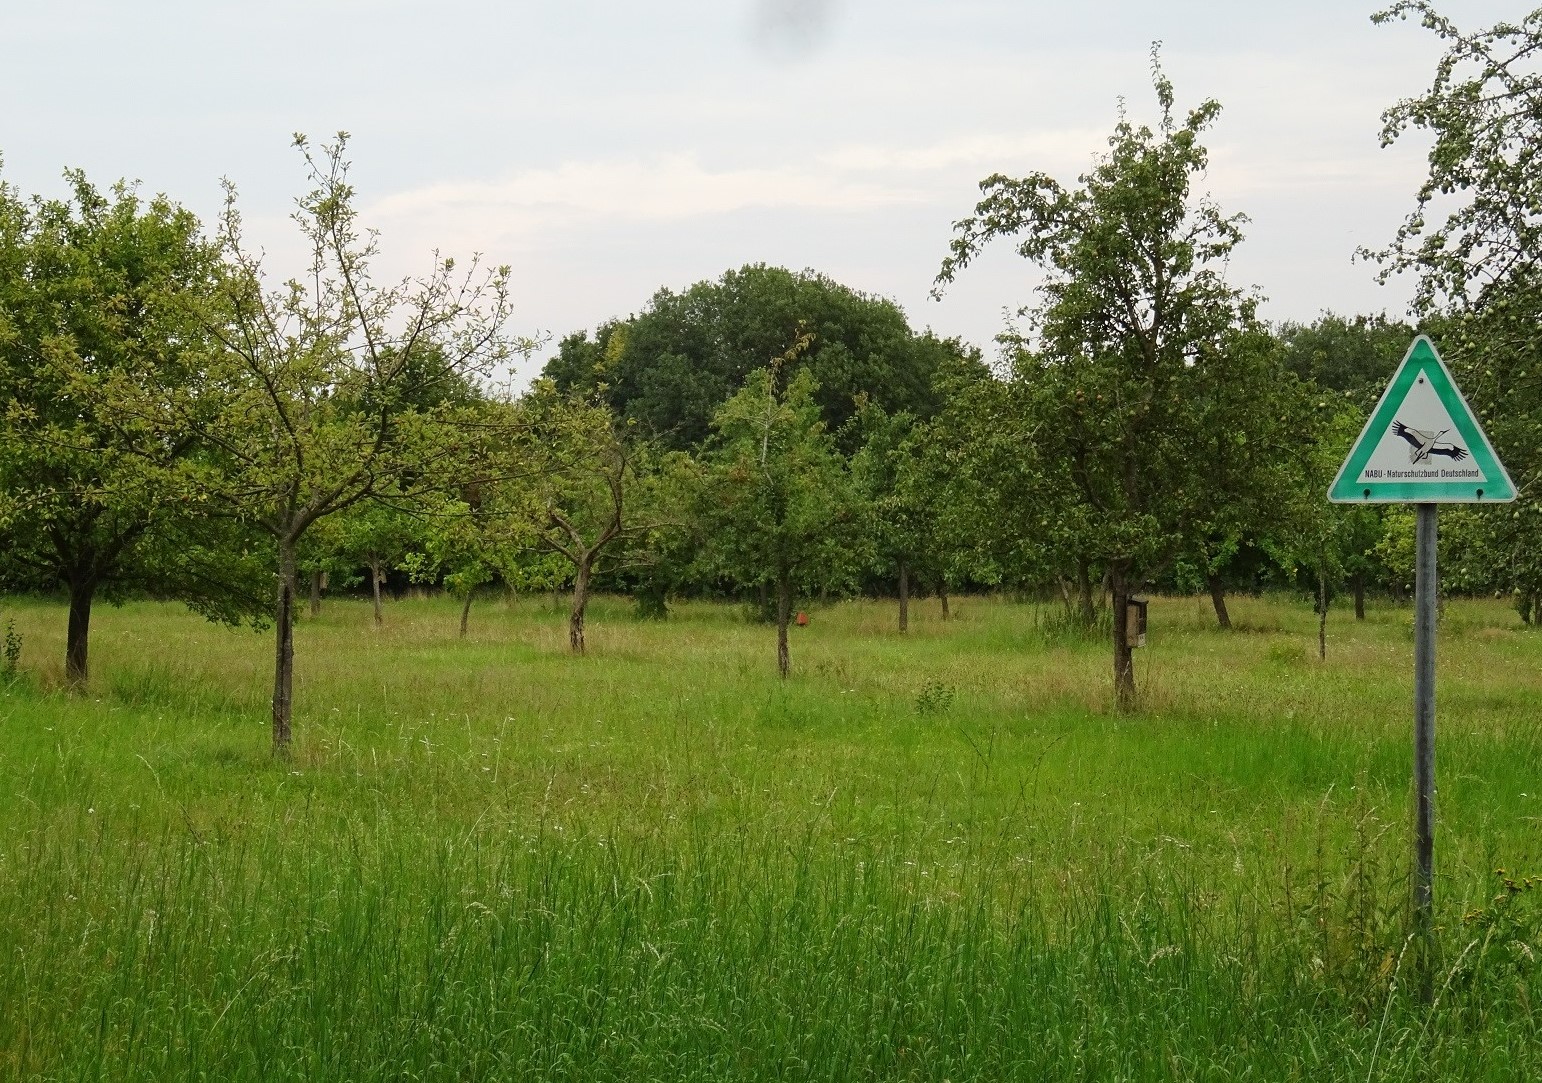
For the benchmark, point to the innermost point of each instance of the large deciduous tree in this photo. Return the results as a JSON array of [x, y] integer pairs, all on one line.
[[102, 294], [1118, 358], [998, 517], [668, 368]]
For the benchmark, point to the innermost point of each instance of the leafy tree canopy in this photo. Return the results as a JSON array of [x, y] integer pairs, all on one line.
[[668, 369], [1474, 240], [1354, 356]]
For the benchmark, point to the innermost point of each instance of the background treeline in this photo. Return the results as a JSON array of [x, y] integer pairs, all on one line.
[[180, 424]]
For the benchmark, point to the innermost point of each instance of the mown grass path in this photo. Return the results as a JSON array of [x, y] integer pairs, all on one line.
[[931, 856]]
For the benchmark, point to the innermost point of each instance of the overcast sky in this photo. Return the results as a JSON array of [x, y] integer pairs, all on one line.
[[606, 148]]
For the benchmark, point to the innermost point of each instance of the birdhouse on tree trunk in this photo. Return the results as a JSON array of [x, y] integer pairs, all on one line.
[[1135, 622]]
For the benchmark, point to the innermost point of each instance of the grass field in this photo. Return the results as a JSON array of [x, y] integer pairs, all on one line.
[[935, 856]]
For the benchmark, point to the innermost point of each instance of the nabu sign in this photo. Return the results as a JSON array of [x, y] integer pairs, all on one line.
[[1422, 444]]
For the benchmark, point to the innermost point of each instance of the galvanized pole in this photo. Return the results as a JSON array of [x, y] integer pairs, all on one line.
[[1426, 586]]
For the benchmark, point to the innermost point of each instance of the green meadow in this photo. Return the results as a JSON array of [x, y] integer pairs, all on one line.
[[931, 856]]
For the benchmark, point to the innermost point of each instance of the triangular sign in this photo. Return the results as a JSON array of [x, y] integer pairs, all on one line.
[[1422, 444]]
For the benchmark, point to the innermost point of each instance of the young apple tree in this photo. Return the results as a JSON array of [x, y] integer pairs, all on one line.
[[889, 473], [333, 388], [778, 506], [582, 478]]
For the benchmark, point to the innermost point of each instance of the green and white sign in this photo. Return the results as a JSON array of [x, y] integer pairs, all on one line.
[[1422, 445]]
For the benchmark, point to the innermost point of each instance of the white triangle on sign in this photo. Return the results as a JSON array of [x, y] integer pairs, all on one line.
[[1422, 444]]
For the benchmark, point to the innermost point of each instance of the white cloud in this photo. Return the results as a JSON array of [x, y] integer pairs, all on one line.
[[1054, 150], [672, 186], [529, 208], [1249, 170]]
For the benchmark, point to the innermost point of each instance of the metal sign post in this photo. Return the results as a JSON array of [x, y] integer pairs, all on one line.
[[1426, 604], [1423, 445]]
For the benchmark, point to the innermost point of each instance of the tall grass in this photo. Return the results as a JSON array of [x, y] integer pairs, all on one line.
[[925, 857]]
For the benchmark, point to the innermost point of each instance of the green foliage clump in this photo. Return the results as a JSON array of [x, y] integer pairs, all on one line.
[[105, 301], [1508, 933], [11, 648], [935, 697]]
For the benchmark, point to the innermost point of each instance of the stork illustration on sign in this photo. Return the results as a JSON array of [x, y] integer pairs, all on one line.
[[1423, 444]]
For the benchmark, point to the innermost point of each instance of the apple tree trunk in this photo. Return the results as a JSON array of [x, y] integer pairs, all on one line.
[[1124, 658], [283, 654], [580, 604], [375, 577], [783, 616], [78, 636], [1218, 599]]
